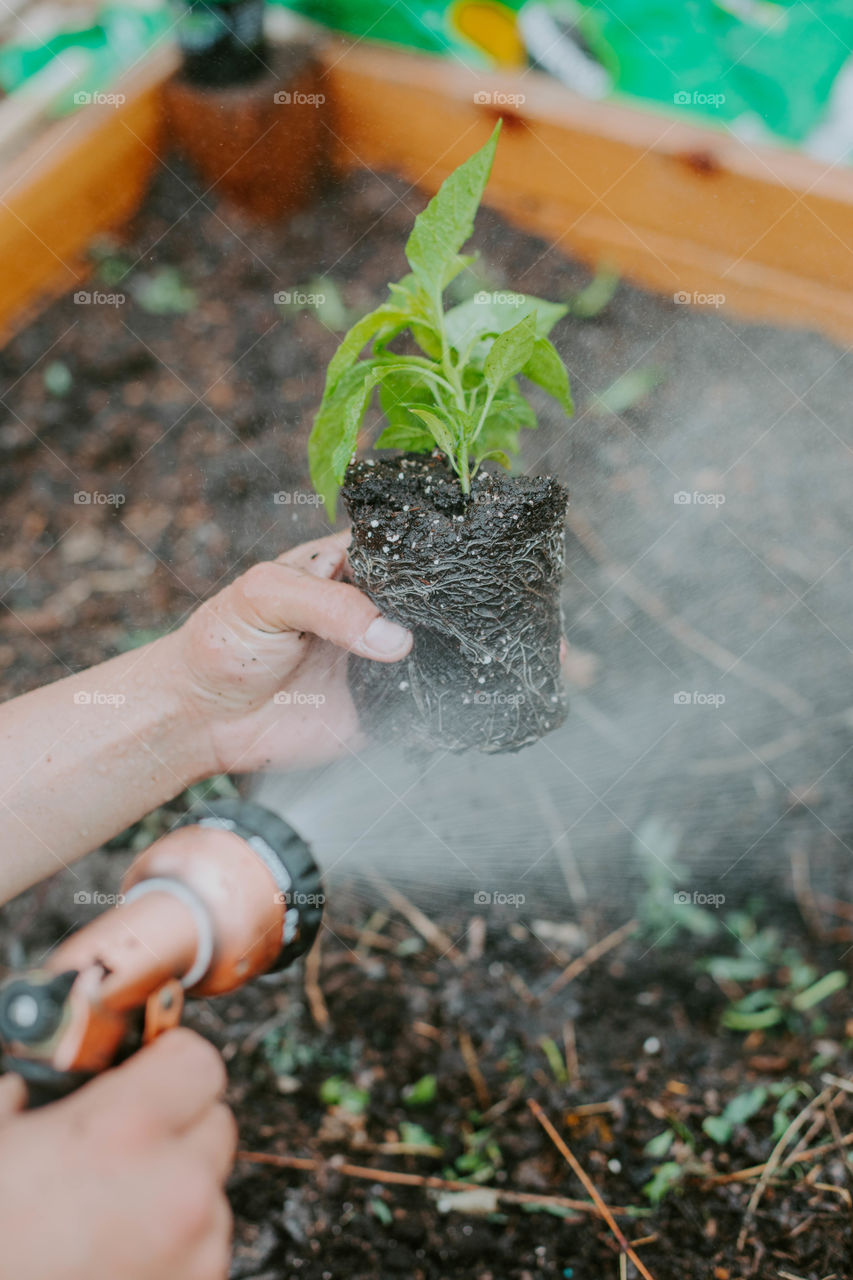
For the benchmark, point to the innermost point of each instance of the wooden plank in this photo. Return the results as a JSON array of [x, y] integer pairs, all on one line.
[[676, 207], [83, 176], [672, 205]]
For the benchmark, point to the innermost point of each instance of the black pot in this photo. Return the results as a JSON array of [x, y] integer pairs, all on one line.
[[477, 579]]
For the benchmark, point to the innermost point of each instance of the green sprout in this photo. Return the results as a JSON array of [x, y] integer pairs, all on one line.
[[461, 394]]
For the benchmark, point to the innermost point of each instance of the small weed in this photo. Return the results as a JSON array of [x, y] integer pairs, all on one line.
[[742, 1107], [594, 297], [628, 391], [57, 378], [162, 292], [337, 1091], [421, 1093], [665, 1179], [481, 1158], [380, 1211]]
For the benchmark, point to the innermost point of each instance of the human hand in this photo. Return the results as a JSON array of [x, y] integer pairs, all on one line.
[[124, 1179], [264, 661]]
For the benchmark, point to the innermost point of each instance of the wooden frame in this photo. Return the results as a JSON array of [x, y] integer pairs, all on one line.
[[683, 209], [82, 176], [679, 208]]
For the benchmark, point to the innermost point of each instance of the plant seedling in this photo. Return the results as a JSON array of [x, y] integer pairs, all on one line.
[[470, 560], [461, 394]]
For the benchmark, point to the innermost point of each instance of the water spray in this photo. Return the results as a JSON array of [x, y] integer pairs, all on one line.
[[228, 894]]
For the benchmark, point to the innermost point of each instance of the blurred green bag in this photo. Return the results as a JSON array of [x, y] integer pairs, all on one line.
[[775, 61], [480, 33]]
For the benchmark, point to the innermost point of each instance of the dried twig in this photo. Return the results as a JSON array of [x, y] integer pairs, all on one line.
[[313, 993], [804, 893], [429, 931], [803, 1157], [310, 1164], [589, 1186], [469, 1053], [570, 1050], [775, 1159], [581, 963], [365, 938], [681, 630], [835, 908], [560, 842]]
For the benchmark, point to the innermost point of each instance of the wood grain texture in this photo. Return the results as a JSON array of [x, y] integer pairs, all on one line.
[[673, 206], [82, 176]]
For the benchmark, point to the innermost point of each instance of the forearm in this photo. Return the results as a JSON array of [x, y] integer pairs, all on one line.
[[85, 757]]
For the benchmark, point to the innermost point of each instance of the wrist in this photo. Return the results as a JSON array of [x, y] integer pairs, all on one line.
[[181, 726]]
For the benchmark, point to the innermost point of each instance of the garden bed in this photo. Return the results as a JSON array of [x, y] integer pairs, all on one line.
[[182, 412]]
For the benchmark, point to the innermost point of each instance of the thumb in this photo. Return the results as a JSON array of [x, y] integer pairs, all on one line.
[[13, 1096], [277, 597]]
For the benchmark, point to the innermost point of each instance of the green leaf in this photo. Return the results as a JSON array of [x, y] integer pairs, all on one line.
[[380, 1211], [382, 324], [488, 314], [556, 1061], [448, 220], [742, 968], [335, 430], [547, 370], [736, 1112], [592, 299], [658, 1146], [57, 378], [353, 412], [751, 1020], [821, 990], [509, 413], [421, 1093], [510, 352], [427, 340], [628, 390], [503, 459], [401, 391], [718, 1129], [745, 1105], [439, 430], [340, 1092], [411, 439], [162, 292], [666, 1178], [414, 1135], [332, 311]]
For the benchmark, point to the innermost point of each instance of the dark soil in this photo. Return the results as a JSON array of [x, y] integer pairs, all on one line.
[[198, 419], [478, 581]]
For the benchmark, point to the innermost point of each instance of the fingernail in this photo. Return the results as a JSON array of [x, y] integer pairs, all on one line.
[[385, 637]]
